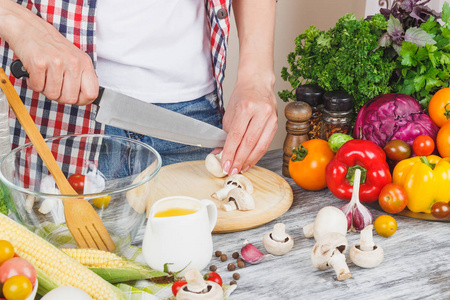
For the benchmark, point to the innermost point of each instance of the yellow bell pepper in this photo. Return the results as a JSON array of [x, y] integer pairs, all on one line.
[[426, 181]]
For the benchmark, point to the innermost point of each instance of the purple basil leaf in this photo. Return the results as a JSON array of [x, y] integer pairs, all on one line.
[[394, 27], [385, 40], [418, 36]]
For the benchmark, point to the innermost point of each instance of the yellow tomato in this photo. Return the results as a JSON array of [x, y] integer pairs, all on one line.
[[101, 202], [6, 251], [17, 288], [385, 225]]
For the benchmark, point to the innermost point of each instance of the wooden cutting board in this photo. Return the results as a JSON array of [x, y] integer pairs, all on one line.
[[273, 195]]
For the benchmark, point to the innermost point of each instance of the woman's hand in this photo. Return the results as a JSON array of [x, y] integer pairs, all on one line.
[[58, 69], [251, 122]]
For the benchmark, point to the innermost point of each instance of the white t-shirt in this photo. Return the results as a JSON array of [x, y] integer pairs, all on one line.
[[154, 50]]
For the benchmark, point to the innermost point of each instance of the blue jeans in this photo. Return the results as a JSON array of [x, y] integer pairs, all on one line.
[[204, 109]]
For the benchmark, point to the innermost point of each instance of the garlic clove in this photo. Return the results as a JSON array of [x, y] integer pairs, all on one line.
[[251, 254], [358, 216]]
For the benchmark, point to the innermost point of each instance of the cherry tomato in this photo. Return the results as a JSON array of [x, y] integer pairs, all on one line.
[[17, 288], [385, 225], [423, 145], [101, 202], [6, 251], [177, 285], [392, 198], [440, 210], [443, 140], [77, 182], [213, 276], [397, 150], [439, 107], [17, 266]]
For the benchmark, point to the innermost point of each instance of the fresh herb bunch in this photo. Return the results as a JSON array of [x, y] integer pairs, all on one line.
[[425, 69], [346, 57], [410, 13]]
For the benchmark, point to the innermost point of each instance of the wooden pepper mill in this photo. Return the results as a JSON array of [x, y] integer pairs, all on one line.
[[298, 114]]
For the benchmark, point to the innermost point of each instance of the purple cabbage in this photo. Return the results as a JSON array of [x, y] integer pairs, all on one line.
[[393, 117]]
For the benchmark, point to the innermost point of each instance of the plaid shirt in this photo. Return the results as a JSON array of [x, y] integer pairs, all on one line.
[[75, 19]]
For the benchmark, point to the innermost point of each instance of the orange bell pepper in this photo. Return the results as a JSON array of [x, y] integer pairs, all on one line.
[[426, 181]]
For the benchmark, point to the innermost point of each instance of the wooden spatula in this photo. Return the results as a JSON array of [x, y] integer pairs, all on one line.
[[83, 222]]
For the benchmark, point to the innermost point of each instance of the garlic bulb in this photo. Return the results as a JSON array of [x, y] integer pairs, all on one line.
[[358, 216]]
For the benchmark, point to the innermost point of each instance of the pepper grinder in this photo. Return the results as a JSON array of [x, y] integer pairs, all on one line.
[[298, 114], [313, 95]]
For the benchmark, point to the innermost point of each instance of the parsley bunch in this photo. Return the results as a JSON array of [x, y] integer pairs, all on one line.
[[346, 57]]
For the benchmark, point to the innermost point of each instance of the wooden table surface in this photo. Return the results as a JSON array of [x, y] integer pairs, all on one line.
[[416, 263]]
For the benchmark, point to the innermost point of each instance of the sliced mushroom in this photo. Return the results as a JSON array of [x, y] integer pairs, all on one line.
[[239, 199], [328, 219], [277, 241], [198, 288], [213, 163], [329, 252], [366, 254], [231, 182]]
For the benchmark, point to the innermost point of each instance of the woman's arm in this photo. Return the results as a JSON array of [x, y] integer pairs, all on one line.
[[57, 68], [251, 114]]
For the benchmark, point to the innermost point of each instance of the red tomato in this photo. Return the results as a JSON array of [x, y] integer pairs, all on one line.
[[443, 140], [17, 266], [177, 285], [392, 198], [423, 145], [213, 276], [77, 182]]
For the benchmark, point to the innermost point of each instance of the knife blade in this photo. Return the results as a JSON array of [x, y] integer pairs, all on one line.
[[119, 110]]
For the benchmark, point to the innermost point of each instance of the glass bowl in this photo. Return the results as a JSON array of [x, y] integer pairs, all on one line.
[[119, 181]]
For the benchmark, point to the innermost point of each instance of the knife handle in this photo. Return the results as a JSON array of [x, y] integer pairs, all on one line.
[[19, 71]]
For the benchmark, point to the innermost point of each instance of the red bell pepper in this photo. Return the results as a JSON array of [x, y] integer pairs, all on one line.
[[366, 156]]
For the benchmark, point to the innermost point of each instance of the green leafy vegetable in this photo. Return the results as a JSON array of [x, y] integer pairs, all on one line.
[[3, 201], [346, 57]]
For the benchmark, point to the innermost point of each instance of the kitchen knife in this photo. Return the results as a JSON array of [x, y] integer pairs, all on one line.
[[118, 110]]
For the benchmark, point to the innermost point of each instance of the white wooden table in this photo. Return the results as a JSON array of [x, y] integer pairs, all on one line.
[[416, 263]]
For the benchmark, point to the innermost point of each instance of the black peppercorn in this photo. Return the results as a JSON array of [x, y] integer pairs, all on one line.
[[233, 282], [213, 268], [241, 264], [223, 257], [236, 276], [235, 255], [218, 253]]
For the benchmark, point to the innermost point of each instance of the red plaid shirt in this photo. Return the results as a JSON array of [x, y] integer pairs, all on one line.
[[75, 19]]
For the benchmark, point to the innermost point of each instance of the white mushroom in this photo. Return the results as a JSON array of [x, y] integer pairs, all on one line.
[[232, 182], [277, 241], [239, 199], [328, 219], [366, 254], [329, 252], [213, 163], [198, 288]]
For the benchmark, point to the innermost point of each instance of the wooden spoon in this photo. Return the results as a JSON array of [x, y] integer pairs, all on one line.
[[82, 220]]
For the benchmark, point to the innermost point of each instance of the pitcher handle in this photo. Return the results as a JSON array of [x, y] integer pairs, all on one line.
[[212, 212]]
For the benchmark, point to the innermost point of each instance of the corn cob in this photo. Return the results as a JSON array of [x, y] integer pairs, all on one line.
[[112, 267], [61, 269]]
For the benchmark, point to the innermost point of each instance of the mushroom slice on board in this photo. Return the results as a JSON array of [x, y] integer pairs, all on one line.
[[329, 252], [239, 199], [231, 182], [213, 163]]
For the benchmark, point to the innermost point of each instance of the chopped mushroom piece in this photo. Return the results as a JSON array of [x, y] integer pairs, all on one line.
[[366, 254], [213, 163], [198, 288], [231, 182], [329, 252], [239, 199], [277, 241]]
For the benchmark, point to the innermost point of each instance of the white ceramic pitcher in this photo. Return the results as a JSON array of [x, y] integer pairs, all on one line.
[[180, 240]]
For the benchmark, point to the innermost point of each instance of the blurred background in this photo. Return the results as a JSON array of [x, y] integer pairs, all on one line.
[[292, 18]]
